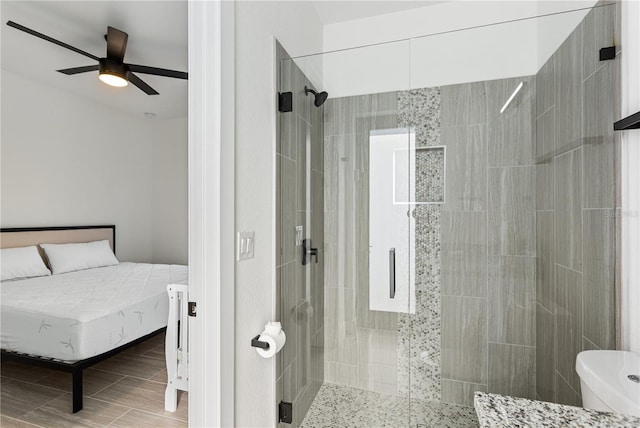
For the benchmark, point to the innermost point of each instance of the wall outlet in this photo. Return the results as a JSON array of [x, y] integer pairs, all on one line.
[[246, 245]]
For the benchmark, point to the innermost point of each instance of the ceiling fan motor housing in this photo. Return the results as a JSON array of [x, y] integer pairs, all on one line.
[[110, 66]]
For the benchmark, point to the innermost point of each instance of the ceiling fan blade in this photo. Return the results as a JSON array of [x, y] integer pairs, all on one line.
[[116, 43], [158, 71], [76, 70], [50, 39], [142, 85]]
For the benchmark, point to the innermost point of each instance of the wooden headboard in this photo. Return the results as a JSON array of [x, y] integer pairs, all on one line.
[[27, 236]]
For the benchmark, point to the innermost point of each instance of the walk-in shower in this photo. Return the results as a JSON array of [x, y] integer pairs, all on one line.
[[460, 202]]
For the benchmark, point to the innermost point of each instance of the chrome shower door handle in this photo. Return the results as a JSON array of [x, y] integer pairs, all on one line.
[[392, 273]]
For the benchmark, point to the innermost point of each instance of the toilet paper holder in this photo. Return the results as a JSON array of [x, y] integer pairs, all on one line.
[[259, 344]]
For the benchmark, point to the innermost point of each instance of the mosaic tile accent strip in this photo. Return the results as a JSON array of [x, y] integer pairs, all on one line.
[[419, 334], [420, 109], [430, 175], [343, 406]]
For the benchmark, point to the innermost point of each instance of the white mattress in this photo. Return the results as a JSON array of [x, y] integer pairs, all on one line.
[[77, 315]]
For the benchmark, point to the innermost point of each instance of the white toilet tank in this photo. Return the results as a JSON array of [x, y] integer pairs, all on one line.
[[610, 381]]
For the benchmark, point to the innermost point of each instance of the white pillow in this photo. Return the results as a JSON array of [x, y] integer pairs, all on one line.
[[21, 262], [71, 257]]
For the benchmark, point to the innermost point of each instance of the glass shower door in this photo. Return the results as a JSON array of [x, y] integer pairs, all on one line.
[[359, 190], [300, 248]]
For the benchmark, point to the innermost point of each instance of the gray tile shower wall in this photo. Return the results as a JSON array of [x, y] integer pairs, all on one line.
[[575, 203], [300, 307], [488, 240], [360, 345], [474, 326]]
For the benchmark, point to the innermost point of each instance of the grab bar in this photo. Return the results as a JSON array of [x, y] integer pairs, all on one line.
[[392, 273]]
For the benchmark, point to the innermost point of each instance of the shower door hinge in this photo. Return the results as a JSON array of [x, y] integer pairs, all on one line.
[[607, 54], [285, 102], [285, 412], [191, 309]]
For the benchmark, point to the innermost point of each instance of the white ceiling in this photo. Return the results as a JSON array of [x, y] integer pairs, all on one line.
[[332, 11], [157, 37]]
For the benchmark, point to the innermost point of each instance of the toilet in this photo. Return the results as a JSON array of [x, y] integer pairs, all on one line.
[[610, 381]]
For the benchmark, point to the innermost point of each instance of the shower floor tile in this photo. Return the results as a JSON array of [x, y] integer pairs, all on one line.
[[343, 406]]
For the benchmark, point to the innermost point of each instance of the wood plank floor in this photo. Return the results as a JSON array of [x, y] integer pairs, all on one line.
[[127, 390]]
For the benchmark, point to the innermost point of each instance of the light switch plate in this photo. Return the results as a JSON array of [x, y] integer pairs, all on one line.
[[246, 245], [299, 235]]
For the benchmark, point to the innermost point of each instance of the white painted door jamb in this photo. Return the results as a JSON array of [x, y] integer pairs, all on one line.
[[211, 213]]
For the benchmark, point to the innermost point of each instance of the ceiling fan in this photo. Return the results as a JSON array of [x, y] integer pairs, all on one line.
[[112, 69]]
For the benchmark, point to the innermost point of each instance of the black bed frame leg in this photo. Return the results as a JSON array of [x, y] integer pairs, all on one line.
[[76, 373], [74, 368]]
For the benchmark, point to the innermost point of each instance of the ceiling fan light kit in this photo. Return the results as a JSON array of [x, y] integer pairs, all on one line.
[[113, 79], [112, 69], [113, 74]]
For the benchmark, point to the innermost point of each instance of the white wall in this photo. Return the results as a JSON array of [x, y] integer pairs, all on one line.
[[67, 160], [422, 21], [170, 191], [296, 26], [491, 52], [480, 54], [211, 213]]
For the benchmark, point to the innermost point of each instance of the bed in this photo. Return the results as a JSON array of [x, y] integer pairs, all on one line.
[[70, 321]]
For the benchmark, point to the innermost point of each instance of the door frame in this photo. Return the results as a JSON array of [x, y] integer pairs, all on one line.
[[629, 215], [211, 212]]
